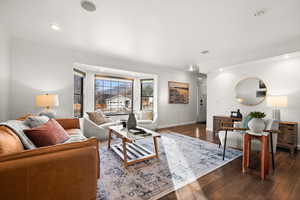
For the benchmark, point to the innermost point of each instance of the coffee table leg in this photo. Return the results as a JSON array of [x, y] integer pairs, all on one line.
[[124, 152], [109, 137], [155, 146]]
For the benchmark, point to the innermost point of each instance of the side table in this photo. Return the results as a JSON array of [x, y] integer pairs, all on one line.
[[264, 139]]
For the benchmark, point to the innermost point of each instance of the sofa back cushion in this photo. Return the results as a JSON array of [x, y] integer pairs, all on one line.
[[9, 142], [50, 133]]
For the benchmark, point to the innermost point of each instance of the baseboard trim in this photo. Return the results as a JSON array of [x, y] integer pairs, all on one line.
[[178, 124]]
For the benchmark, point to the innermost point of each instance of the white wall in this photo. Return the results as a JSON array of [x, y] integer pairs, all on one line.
[[280, 74], [5, 73], [40, 68]]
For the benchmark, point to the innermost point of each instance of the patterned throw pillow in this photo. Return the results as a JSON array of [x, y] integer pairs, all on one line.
[[97, 117], [35, 121], [50, 133]]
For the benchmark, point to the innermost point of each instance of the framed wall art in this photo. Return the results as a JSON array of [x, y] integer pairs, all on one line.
[[178, 93]]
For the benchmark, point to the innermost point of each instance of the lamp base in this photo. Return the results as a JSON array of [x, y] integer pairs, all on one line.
[[49, 113], [276, 114]]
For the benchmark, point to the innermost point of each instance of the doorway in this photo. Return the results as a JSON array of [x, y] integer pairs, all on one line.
[[201, 98]]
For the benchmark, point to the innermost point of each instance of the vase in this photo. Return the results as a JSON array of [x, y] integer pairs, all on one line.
[[131, 123], [257, 125]]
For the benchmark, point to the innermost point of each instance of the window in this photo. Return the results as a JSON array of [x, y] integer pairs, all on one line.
[[113, 95], [147, 94], [78, 93]]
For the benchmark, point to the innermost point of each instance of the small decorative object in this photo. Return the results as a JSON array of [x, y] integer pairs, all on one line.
[[47, 101], [131, 123], [277, 102], [178, 93], [239, 114], [236, 114], [257, 124], [123, 122]]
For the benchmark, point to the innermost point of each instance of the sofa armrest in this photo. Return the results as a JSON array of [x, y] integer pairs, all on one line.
[[69, 123], [65, 171]]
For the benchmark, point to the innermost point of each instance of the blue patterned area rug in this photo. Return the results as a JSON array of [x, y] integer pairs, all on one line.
[[182, 160]]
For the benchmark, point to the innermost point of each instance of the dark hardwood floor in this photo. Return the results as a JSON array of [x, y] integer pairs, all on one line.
[[228, 182]]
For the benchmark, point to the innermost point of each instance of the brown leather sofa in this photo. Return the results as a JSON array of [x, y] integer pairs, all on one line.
[[59, 172]]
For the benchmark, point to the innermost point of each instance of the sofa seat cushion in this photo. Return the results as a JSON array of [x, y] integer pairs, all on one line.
[[75, 138], [50, 133], [74, 131]]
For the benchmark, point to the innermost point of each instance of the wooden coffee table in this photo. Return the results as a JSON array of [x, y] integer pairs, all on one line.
[[128, 150]]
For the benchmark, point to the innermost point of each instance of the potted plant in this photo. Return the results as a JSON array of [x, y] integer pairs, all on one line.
[[257, 124]]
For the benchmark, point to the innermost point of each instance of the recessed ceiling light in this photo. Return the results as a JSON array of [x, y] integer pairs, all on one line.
[[221, 69], [205, 52], [260, 12], [55, 26], [88, 6], [286, 56]]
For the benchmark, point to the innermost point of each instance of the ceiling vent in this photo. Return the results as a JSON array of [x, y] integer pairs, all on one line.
[[88, 6]]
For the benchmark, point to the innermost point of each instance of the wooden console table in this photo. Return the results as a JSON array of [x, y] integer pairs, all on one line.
[[288, 136]]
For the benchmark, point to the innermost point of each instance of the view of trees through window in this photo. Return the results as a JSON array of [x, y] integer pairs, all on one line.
[[78, 93], [147, 94], [113, 95]]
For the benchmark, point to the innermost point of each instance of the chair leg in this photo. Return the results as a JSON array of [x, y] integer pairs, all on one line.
[[225, 140], [272, 152]]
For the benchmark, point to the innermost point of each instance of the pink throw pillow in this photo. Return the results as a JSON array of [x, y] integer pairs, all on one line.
[[50, 133]]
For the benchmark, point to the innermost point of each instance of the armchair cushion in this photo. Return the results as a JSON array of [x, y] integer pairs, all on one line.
[[108, 124], [235, 138], [97, 117], [145, 121]]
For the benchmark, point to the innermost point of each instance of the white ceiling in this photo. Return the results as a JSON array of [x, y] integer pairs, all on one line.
[[170, 33]]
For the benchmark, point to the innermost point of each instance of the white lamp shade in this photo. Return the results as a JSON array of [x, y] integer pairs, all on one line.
[[277, 101], [47, 100]]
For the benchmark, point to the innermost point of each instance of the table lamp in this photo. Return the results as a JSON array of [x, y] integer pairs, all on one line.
[[277, 102], [47, 101]]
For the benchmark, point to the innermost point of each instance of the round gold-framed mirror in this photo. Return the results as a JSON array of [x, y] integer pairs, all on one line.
[[251, 91]]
